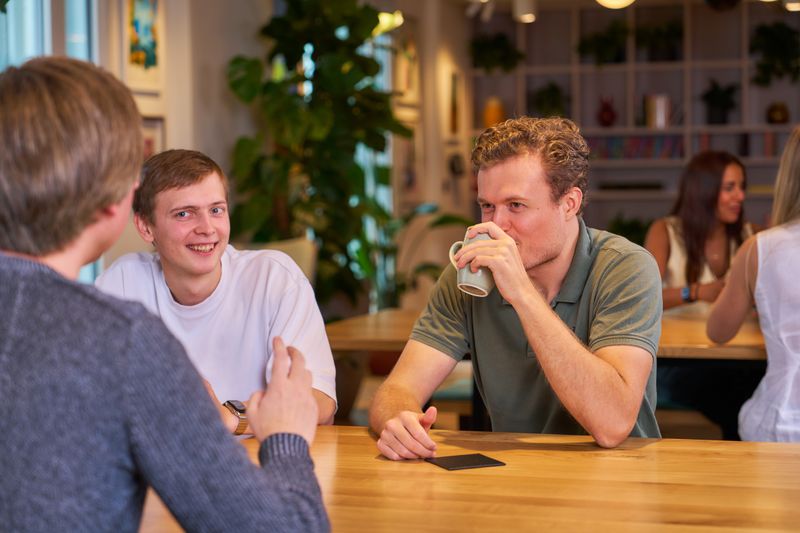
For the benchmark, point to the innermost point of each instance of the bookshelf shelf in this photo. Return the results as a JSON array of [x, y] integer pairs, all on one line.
[[715, 46]]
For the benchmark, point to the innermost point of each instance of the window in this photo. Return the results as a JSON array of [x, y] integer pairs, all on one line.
[[31, 28], [23, 31]]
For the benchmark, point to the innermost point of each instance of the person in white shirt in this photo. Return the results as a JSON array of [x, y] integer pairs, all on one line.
[[763, 274], [225, 305]]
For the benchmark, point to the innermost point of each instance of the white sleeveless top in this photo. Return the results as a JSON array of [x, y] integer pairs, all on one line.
[[773, 413], [675, 273]]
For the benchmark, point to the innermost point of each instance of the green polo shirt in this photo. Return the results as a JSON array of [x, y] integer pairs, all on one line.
[[611, 296]]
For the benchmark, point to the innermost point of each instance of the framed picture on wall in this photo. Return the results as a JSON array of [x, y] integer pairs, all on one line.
[[153, 133], [407, 163], [143, 45], [406, 71]]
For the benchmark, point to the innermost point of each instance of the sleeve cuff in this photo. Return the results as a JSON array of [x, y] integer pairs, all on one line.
[[282, 445]]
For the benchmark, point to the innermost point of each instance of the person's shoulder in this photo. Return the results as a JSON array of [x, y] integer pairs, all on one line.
[[100, 308], [606, 242], [612, 250], [751, 228], [134, 262]]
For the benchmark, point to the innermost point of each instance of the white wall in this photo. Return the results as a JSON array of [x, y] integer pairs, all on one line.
[[199, 37], [443, 51]]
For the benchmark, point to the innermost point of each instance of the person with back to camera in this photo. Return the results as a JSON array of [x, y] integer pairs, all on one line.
[[566, 341], [693, 248], [99, 400], [763, 273]]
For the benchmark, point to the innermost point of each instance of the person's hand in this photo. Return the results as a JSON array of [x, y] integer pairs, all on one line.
[[708, 292], [501, 256], [287, 406], [406, 436], [228, 419]]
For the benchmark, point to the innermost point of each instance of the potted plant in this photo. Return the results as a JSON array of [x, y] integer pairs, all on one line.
[[493, 51], [662, 42], [548, 101], [778, 48], [307, 176], [606, 46], [719, 102]]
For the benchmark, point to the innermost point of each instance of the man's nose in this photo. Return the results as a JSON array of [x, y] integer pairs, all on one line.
[[204, 224], [501, 218]]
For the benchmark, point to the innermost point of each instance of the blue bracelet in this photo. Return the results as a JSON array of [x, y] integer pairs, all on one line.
[[686, 294]]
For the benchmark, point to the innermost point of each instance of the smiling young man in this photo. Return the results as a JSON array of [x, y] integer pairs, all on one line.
[[566, 342], [226, 306]]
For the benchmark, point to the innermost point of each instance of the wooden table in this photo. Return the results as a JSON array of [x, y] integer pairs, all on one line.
[[551, 483], [682, 336]]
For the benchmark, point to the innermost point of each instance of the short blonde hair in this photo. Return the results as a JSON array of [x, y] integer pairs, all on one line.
[[558, 143], [786, 200], [72, 144]]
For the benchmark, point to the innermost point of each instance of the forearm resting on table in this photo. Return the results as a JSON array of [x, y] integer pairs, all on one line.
[[602, 390], [390, 400]]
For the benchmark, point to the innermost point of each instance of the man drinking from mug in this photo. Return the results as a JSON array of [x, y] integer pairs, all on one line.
[[566, 342]]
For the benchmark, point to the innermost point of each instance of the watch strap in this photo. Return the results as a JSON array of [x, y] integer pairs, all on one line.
[[240, 412]]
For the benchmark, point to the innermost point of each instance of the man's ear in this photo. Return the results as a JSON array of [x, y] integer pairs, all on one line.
[[572, 201], [144, 229]]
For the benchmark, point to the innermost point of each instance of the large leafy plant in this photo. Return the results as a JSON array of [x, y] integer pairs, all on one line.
[[778, 46], [315, 113]]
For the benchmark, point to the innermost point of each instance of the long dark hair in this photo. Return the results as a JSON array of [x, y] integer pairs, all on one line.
[[696, 206]]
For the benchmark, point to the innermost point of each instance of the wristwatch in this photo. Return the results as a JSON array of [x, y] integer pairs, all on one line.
[[239, 410]]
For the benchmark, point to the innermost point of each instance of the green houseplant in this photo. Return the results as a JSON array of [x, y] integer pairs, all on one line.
[[548, 101], [778, 48], [606, 46], [490, 52], [307, 177], [661, 41], [719, 101]]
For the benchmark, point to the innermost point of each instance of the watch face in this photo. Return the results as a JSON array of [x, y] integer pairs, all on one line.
[[236, 404]]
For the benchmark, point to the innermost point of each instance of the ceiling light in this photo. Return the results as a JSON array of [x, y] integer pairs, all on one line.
[[791, 5], [525, 10], [615, 4]]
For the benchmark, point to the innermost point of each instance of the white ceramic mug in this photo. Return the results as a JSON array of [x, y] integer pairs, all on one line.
[[478, 283]]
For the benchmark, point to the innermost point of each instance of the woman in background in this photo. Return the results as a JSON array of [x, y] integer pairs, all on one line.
[[693, 248], [763, 273]]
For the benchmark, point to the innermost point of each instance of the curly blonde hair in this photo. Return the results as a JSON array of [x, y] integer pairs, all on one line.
[[558, 143]]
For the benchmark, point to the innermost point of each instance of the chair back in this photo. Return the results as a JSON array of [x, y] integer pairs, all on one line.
[[302, 250]]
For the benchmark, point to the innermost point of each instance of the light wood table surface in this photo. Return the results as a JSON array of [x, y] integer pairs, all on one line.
[[682, 336], [551, 483]]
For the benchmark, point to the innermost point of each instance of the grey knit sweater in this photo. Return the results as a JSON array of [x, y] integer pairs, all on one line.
[[98, 401]]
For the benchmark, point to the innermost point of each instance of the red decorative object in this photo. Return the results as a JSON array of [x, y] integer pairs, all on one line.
[[606, 115]]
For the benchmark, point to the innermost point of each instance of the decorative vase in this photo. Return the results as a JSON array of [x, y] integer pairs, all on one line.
[[606, 115], [493, 112], [777, 113]]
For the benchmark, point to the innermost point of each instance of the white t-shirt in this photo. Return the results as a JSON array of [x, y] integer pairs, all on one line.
[[228, 336]]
